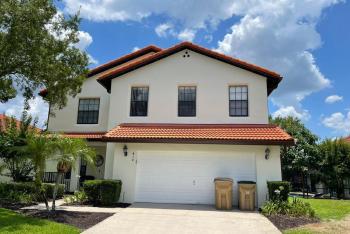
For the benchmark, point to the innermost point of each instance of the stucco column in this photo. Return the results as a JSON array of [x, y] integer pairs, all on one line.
[[74, 178], [109, 161]]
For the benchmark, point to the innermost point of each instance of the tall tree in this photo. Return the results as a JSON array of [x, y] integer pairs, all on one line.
[[335, 164], [302, 159], [36, 51]]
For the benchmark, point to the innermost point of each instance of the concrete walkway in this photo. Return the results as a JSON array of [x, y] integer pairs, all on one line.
[[41, 206], [148, 218]]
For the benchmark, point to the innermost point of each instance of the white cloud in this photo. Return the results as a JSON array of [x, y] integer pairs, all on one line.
[[85, 40], [92, 60], [280, 35], [136, 48], [192, 15], [338, 122], [291, 111], [163, 30], [38, 108], [333, 98], [186, 35]]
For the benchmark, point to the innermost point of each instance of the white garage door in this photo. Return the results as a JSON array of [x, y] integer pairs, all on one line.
[[187, 177]]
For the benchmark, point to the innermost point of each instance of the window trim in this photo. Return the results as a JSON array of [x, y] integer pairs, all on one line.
[[229, 100], [178, 101], [98, 112], [147, 111]]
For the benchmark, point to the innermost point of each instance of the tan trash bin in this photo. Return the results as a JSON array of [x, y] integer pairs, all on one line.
[[247, 191], [223, 193]]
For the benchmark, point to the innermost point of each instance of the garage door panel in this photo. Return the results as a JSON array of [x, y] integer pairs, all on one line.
[[187, 177]]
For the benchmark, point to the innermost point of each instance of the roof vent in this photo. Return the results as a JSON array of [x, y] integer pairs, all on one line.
[[186, 54]]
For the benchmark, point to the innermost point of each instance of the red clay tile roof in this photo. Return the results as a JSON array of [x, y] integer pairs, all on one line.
[[124, 59], [4, 118], [85, 135], [256, 134], [347, 139], [272, 78]]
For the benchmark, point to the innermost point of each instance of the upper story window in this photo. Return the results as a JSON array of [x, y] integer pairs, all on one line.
[[187, 101], [238, 100], [88, 110], [139, 101]]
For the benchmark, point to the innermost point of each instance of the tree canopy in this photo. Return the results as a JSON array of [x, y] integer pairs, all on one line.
[[335, 164], [37, 51], [303, 157]]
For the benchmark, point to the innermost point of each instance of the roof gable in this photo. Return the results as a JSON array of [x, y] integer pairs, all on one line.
[[272, 78], [124, 59]]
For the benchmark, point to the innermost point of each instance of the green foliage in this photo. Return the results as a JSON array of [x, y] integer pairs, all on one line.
[[49, 187], [26, 192], [330, 209], [67, 152], [335, 164], [36, 51], [79, 197], [14, 223], [303, 157], [103, 192], [13, 141], [295, 208], [17, 192], [278, 190]]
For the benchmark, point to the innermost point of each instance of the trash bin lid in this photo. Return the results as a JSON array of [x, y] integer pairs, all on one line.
[[223, 179], [246, 182]]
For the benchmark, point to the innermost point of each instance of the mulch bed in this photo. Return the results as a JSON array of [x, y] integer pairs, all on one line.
[[81, 220], [14, 205], [283, 222]]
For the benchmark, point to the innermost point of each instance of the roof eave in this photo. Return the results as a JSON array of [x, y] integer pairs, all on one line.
[[288, 142]]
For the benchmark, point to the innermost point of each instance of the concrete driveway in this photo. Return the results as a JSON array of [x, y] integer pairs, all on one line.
[[174, 218]]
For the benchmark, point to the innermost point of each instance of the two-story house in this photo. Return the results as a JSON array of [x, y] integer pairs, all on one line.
[[168, 121]]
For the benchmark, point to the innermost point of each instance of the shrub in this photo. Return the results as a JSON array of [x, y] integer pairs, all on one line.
[[102, 192], [79, 197], [278, 190], [17, 192], [49, 187], [294, 208], [26, 192]]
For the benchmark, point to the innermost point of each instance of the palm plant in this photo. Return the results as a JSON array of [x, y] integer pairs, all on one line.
[[40, 148], [67, 152]]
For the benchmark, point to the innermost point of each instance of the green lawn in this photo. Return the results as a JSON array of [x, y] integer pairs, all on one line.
[[326, 210], [11, 222]]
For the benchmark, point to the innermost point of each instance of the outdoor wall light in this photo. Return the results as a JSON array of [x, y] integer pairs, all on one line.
[[125, 150], [267, 153]]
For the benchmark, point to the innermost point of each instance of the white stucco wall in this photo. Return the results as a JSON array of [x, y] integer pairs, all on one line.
[[212, 79], [65, 120], [125, 167]]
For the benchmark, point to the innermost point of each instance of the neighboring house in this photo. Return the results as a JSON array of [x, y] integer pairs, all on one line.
[[167, 122], [4, 121], [347, 139]]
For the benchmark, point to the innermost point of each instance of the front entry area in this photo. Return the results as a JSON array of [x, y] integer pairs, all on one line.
[[187, 177]]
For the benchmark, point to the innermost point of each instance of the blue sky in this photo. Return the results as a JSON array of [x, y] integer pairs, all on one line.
[[307, 42]]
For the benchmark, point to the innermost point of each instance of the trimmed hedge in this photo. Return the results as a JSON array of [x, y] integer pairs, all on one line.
[[278, 190], [24, 191], [102, 192]]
